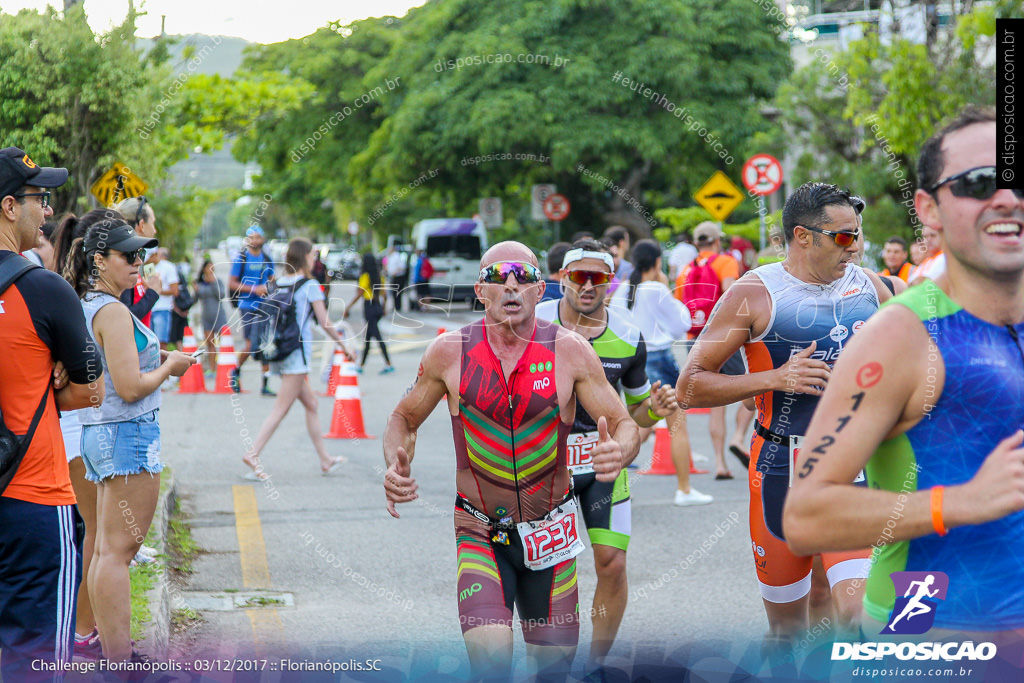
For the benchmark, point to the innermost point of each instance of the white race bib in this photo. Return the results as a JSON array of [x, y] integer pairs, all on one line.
[[551, 540], [577, 448], [794, 450]]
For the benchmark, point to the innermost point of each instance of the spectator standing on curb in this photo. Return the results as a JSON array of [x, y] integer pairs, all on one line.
[[87, 643], [662, 320], [121, 436], [251, 274], [370, 291], [57, 369], [308, 301]]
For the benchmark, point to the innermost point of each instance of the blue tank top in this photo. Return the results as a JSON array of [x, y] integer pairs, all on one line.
[[114, 408], [802, 313], [982, 403]]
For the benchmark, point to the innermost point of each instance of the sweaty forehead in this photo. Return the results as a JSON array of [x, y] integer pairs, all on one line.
[[508, 251]]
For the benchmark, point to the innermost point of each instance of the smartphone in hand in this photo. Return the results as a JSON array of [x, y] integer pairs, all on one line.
[[198, 353]]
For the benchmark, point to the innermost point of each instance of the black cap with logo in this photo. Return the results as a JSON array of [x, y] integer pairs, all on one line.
[[116, 234], [17, 170]]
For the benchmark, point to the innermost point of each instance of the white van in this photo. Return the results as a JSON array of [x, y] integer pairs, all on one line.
[[454, 247]]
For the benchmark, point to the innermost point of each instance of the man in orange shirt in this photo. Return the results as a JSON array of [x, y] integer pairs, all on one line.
[[43, 327], [708, 238], [894, 254]]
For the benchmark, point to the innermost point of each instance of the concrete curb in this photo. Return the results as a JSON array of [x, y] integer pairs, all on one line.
[[156, 633]]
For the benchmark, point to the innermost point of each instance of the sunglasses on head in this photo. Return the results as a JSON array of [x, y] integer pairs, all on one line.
[[138, 212], [497, 273], [843, 239], [580, 277], [976, 183]]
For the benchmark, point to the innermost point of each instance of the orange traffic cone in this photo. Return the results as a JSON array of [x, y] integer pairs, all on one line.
[[441, 331], [226, 362], [192, 381], [661, 461], [332, 381], [347, 417], [698, 411]]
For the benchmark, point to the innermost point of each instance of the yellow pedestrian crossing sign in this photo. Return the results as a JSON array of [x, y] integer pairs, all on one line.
[[719, 196], [116, 184]]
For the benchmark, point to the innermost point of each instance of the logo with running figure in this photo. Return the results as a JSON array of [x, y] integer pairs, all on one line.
[[914, 612]]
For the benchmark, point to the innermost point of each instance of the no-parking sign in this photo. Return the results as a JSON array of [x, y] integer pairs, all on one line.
[[762, 174]]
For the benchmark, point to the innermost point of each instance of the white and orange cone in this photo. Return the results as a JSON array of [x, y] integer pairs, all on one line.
[[226, 362], [192, 381], [347, 416]]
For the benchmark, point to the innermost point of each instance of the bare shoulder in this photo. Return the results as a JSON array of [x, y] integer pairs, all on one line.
[[114, 318], [741, 303], [569, 344], [443, 353]]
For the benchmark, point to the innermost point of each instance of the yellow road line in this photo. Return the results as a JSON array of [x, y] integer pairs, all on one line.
[[251, 548], [267, 628]]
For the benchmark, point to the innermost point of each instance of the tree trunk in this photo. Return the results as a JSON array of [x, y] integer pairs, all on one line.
[[622, 208]]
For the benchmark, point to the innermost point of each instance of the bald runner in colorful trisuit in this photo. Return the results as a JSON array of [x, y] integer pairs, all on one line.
[[605, 506], [512, 383], [929, 399], [792, 320]]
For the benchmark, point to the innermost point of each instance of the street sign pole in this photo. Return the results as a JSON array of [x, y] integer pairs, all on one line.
[[760, 216]]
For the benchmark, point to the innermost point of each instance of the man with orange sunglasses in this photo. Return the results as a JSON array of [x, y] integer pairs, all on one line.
[[792, 320]]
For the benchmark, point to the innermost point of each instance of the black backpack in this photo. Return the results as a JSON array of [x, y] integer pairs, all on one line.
[[183, 300], [13, 446], [277, 328]]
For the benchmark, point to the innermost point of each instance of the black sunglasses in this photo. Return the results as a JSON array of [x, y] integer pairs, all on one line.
[[977, 183], [131, 256]]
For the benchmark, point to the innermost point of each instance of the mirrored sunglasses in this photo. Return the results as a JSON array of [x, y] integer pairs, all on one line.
[[580, 277], [497, 273]]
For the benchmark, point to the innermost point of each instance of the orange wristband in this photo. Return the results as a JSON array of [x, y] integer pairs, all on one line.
[[940, 528]]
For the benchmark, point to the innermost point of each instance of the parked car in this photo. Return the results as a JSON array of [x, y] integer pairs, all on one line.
[[343, 264]]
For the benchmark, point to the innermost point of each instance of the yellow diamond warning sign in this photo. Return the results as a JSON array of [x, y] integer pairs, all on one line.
[[719, 196], [116, 184]]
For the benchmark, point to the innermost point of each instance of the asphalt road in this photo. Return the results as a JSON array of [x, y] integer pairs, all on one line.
[[328, 574]]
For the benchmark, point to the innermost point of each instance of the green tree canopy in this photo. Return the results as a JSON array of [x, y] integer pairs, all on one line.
[[711, 62]]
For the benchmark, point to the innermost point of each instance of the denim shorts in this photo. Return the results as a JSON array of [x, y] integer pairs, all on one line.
[[160, 322], [292, 364], [122, 448], [661, 365]]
